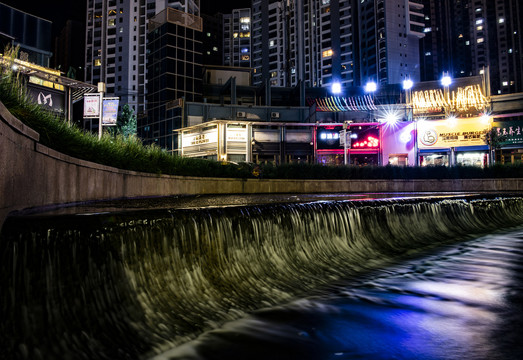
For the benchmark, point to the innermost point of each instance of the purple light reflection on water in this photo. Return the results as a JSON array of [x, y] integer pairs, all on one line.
[[459, 303]]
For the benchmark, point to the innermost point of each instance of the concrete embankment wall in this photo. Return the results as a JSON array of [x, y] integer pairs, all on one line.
[[33, 176]]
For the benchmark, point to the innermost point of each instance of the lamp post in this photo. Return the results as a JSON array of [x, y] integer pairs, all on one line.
[[346, 141], [446, 80]]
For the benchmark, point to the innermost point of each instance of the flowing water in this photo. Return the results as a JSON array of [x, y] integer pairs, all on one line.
[[383, 279]]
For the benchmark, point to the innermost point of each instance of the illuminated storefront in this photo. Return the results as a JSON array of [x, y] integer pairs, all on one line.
[[450, 126], [243, 141], [453, 141], [398, 143], [510, 146], [217, 140], [364, 147]]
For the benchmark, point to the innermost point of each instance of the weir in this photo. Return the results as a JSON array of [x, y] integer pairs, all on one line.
[[118, 285]]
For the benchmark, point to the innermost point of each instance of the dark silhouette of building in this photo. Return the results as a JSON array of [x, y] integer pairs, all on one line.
[[32, 34]]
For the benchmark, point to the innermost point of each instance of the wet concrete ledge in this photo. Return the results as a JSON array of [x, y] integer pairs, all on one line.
[[35, 176]]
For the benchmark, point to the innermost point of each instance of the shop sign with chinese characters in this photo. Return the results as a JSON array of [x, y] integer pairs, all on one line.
[[451, 133], [512, 132]]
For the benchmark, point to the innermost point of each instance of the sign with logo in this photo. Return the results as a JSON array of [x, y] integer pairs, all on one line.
[[91, 106], [110, 111], [47, 98], [452, 133]]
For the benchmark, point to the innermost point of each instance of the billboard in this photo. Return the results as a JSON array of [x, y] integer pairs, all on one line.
[[434, 134], [91, 106], [464, 96], [110, 111], [49, 99]]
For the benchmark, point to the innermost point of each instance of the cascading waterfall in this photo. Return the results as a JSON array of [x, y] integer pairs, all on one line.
[[133, 284]]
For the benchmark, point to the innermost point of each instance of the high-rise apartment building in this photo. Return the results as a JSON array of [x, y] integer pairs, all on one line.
[[116, 39], [174, 70], [321, 42], [469, 37], [237, 38], [212, 40], [389, 33], [308, 41]]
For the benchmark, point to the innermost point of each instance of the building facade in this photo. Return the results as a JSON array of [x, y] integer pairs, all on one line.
[[32, 34], [174, 68], [470, 37], [389, 34], [323, 42], [237, 38], [116, 44]]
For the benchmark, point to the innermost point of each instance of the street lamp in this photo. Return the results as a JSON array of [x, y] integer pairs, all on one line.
[[346, 140], [446, 80], [336, 88], [407, 86], [371, 87]]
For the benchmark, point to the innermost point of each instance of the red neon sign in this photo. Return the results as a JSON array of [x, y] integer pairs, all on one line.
[[370, 142]]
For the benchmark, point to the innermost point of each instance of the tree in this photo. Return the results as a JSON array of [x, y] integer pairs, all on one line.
[[126, 124]]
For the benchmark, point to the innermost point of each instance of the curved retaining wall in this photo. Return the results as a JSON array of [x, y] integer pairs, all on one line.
[[33, 175]]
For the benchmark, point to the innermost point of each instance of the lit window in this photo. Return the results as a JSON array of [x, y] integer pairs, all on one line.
[[274, 74], [245, 57], [112, 22], [479, 28], [427, 30], [215, 48], [428, 53], [97, 62], [479, 21], [478, 9], [271, 43], [327, 53], [245, 20], [235, 35], [245, 50], [501, 20], [208, 34], [112, 12], [505, 83], [467, 42], [480, 40]]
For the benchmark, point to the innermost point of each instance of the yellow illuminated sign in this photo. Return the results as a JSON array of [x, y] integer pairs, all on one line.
[[448, 133], [463, 99]]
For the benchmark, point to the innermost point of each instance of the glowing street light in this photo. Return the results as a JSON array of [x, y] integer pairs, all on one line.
[[407, 84], [446, 80], [336, 88], [370, 87]]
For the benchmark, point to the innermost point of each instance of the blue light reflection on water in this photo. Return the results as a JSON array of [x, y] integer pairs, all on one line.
[[463, 302]]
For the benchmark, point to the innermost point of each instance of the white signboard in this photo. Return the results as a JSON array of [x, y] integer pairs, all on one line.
[[91, 106], [196, 139], [237, 135]]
